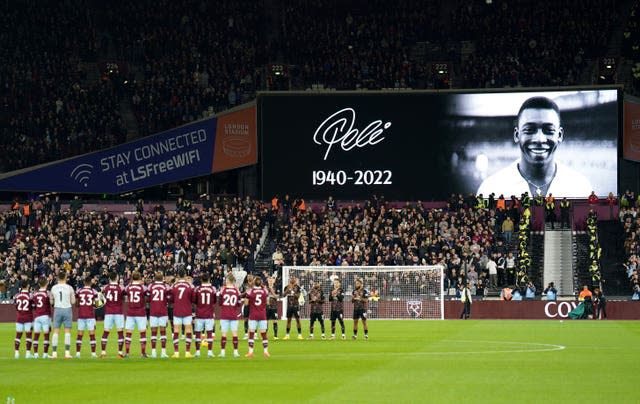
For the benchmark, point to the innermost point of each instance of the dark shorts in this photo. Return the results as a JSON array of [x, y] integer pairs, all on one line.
[[293, 312], [245, 311], [335, 315], [359, 314], [272, 314], [316, 316]]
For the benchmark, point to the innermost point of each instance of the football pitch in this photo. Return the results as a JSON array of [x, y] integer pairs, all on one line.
[[402, 362]]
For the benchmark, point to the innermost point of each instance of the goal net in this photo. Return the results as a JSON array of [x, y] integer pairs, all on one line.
[[396, 292]]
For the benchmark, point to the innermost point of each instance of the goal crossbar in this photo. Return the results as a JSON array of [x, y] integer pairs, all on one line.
[[395, 292]]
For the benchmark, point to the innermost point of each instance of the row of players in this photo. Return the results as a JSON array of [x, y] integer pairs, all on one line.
[[260, 303]]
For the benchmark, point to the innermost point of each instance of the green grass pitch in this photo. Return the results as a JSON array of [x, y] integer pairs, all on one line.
[[402, 362]]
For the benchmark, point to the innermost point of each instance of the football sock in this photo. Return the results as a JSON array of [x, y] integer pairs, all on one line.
[[54, 342], [28, 341], [251, 335], [366, 332], [105, 338], [36, 338], [17, 340], [163, 338], [210, 339], [322, 326], [127, 342], [235, 343], [78, 343], [342, 325], [120, 340], [198, 335], [333, 327], [275, 329], [355, 331], [188, 340], [46, 342], [265, 340], [246, 326], [154, 337], [176, 341], [67, 341], [288, 329], [92, 338], [143, 342], [223, 342]]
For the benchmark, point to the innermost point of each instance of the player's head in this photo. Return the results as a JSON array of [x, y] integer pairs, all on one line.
[[257, 281], [316, 284], [182, 273], [249, 279], [231, 280], [23, 285], [62, 275], [292, 280], [336, 283], [204, 277], [358, 283], [538, 131], [42, 282], [136, 276], [87, 281], [113, 276], [158, 276], [271, 281]]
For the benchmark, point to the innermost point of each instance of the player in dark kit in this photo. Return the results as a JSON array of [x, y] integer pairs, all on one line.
[[245, 307], [360, 297], [337, 308], [292, 292], [316, 299], [272, 306]]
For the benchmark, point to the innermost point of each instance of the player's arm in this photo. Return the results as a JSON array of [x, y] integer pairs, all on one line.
[[73, 295], [340, 295]]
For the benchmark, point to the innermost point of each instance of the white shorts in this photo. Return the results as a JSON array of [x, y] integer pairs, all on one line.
[[182, 320], [62, 317], [158, 321], [42, 324], [258, 325], [21, 327], [139, 322], [226, 325], [88, 324], [113, 320], [204, 324]]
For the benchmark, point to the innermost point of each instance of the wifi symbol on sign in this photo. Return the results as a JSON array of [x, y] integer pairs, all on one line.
[[81, 173]]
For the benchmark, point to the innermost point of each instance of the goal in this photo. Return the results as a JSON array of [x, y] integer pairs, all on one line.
[[397, 292]]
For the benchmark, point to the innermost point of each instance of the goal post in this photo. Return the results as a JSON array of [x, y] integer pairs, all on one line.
[[396, 292]]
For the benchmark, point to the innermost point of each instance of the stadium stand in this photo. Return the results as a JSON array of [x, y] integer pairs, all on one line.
[[88, 243]]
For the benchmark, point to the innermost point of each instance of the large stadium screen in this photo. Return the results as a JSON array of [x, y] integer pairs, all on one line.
[[427, 145]]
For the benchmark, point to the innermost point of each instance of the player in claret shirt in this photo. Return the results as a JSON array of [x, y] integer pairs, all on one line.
[[229, 298], [360, 297], [205, 299], [113, 313], [256, 299], [42, 317], [86, 298], [159, 293], [24, 318], [182, 294], [316, 300], [136, 313]]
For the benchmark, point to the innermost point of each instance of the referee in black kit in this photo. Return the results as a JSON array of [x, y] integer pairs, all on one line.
[[465, 298]]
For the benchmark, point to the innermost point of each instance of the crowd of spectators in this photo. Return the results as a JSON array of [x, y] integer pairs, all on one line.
[[191, 58], [358, 44], [47, 111], [532, 43], [629, 207], [221, 234], [631, 45], [196, 57], [466, 239]]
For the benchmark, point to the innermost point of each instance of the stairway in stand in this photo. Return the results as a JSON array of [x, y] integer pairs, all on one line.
[[558, 259]]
